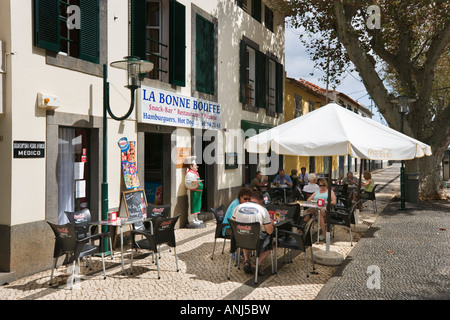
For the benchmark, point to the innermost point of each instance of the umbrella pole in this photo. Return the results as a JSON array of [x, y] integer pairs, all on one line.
[[330, 170], [359, 206]]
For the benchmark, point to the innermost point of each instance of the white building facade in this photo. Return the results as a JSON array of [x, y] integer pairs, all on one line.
[[218, 70]]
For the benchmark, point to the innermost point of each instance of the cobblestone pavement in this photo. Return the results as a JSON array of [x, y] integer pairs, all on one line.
[[405, 255], [422, 257]]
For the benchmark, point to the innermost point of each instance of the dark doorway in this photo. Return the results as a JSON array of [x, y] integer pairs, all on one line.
[[155, 179]]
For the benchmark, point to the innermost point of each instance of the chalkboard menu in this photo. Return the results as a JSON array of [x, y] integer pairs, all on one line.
[[135, 204]]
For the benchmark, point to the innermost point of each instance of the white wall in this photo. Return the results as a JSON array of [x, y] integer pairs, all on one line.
[[82, 94]]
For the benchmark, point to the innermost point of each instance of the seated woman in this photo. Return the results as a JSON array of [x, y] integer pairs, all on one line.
[[368, 185], [322, 193], [243, 196]]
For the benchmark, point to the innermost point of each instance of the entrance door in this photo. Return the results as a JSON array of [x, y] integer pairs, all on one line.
[[72, 171], [154, 167]]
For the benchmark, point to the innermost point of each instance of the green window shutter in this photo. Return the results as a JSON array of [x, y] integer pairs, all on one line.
[[261, 80], [138, 28], [90, 31], [268, 18], [256, 10], [204, 55], [239, 3], [279, 88], [242, 71], [177, 70], [46, 24]]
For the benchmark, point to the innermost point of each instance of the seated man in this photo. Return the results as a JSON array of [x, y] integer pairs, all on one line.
[[312, 186], [303, 176], [282, 178], [350, 179], [258, 184], [253, 211]]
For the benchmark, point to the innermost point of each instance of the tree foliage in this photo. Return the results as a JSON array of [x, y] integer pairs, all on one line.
[[406, 54]]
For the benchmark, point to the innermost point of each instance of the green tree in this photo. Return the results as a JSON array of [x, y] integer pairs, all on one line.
[[402, 51]]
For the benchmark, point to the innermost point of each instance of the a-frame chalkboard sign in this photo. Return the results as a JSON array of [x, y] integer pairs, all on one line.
[[133, 204]]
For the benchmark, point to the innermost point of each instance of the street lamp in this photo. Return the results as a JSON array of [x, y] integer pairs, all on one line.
[[402, 102], [134, 67]]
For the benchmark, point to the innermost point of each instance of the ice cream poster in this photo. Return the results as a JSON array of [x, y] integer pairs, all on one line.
[[129, 164]]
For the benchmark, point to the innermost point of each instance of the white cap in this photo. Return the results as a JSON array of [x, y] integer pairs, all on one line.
[[190, 160]]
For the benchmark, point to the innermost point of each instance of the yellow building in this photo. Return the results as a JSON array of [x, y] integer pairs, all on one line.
[[302, 97]]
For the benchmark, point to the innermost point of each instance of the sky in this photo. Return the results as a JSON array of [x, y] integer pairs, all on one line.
[[298, 64]]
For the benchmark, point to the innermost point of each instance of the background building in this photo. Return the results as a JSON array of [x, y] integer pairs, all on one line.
[[301, 97]]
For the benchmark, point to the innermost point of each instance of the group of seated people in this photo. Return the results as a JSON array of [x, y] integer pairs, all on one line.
[[248, 207], [368, 183]]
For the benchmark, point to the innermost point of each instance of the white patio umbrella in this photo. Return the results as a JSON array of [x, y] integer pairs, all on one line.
[[333, 130]]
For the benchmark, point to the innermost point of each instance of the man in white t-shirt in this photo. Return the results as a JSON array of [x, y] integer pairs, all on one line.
[[250, 212], [312, 186]]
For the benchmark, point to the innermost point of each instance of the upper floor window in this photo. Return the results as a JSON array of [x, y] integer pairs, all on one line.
[[261, 78], [271, 84], [298, 109], [311, 105], [69, 27], [204, 55], [250, 57], [158, 35], [243, 4], [268, 18], [254, 8], [154, 44]]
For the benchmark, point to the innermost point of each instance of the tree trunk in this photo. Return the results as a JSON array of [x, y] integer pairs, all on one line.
[[431, 184]]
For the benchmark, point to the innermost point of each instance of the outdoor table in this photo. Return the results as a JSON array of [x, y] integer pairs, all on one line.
[[121, 222], [312, 204], [282, 187]]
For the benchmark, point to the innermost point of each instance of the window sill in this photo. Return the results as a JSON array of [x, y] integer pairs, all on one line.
[[74, 64]]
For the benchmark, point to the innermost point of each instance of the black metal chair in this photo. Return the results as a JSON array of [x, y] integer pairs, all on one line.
[[266, 198], [295, 241], [291, 211], [345, 202], [344, 217], [306, 195], [370, 196], [286, 211], [155, 211], [81, 220], [297, 193], [163, 233], [245, 236], [219, 214], [67, 243]]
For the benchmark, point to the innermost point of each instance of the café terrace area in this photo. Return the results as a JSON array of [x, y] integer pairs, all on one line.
[[200, 277]]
